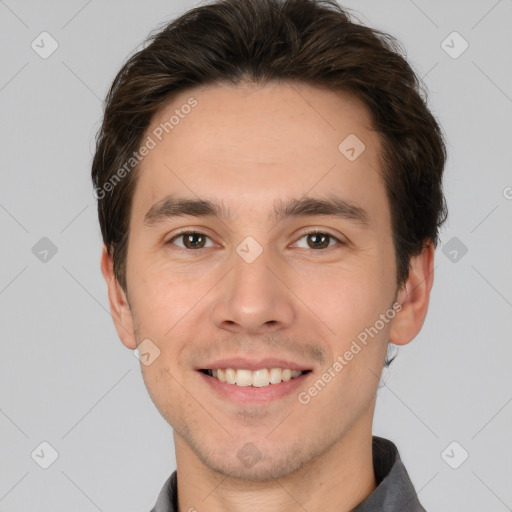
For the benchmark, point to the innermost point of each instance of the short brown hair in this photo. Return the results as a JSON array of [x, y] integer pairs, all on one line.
[[310, 41]]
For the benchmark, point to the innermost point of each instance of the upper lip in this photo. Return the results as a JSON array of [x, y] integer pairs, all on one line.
[[252, 364]]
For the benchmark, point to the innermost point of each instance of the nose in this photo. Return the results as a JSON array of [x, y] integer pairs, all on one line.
[[254, 298]]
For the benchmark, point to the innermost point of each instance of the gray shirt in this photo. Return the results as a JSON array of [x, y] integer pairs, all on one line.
[[394, 491]]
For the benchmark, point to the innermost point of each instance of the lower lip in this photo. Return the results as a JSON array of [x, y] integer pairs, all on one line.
[[251, 394]]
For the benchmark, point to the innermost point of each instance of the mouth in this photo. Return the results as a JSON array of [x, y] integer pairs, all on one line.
[[260, 378]]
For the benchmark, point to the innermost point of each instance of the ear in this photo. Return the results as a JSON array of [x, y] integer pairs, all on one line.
[[119, 307], [414, 297]]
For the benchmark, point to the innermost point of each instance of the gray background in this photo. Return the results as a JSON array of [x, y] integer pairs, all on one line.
[[65, 378]]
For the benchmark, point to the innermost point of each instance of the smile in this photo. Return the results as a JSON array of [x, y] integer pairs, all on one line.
[[258, 378]]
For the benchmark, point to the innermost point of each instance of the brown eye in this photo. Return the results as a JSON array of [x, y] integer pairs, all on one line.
[[191, 240], [319, 240]]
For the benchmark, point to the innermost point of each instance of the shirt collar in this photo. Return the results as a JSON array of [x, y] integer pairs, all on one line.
[[394, 492]]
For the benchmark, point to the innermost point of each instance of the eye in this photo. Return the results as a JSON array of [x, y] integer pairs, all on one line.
[[192, 240], [196, 240], [319, 239]]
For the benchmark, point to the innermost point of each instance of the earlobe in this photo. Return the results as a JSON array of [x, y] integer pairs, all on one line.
[[119, 306], [414, 297]]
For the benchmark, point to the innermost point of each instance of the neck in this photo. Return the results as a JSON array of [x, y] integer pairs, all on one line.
[[337, 480]]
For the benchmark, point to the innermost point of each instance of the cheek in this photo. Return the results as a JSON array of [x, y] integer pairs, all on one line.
[[350, 304], [347, 301], [165, 392], [162, 298]]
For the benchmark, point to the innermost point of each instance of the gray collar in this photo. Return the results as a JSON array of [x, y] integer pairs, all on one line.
[[394, 493]]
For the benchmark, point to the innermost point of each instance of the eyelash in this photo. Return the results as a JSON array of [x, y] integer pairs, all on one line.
[[313, 232]]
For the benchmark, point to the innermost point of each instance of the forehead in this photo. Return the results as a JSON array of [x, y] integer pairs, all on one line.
[[254, 144]]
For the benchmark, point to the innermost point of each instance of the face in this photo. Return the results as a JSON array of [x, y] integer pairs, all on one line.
[[251, 289]]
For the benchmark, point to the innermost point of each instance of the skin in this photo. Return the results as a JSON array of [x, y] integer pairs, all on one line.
[[248, 146]]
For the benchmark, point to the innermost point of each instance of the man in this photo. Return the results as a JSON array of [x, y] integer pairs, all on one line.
[[269, 184]]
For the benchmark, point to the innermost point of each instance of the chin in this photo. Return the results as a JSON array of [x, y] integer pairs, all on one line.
[[250, 464]]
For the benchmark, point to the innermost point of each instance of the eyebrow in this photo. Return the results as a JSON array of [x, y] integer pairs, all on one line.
[[170, 207]]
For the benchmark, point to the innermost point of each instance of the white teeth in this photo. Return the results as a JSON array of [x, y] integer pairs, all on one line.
[[261, 378], [275, 375], [258, 378], [243, 377], [230, 376], [287, 375]]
